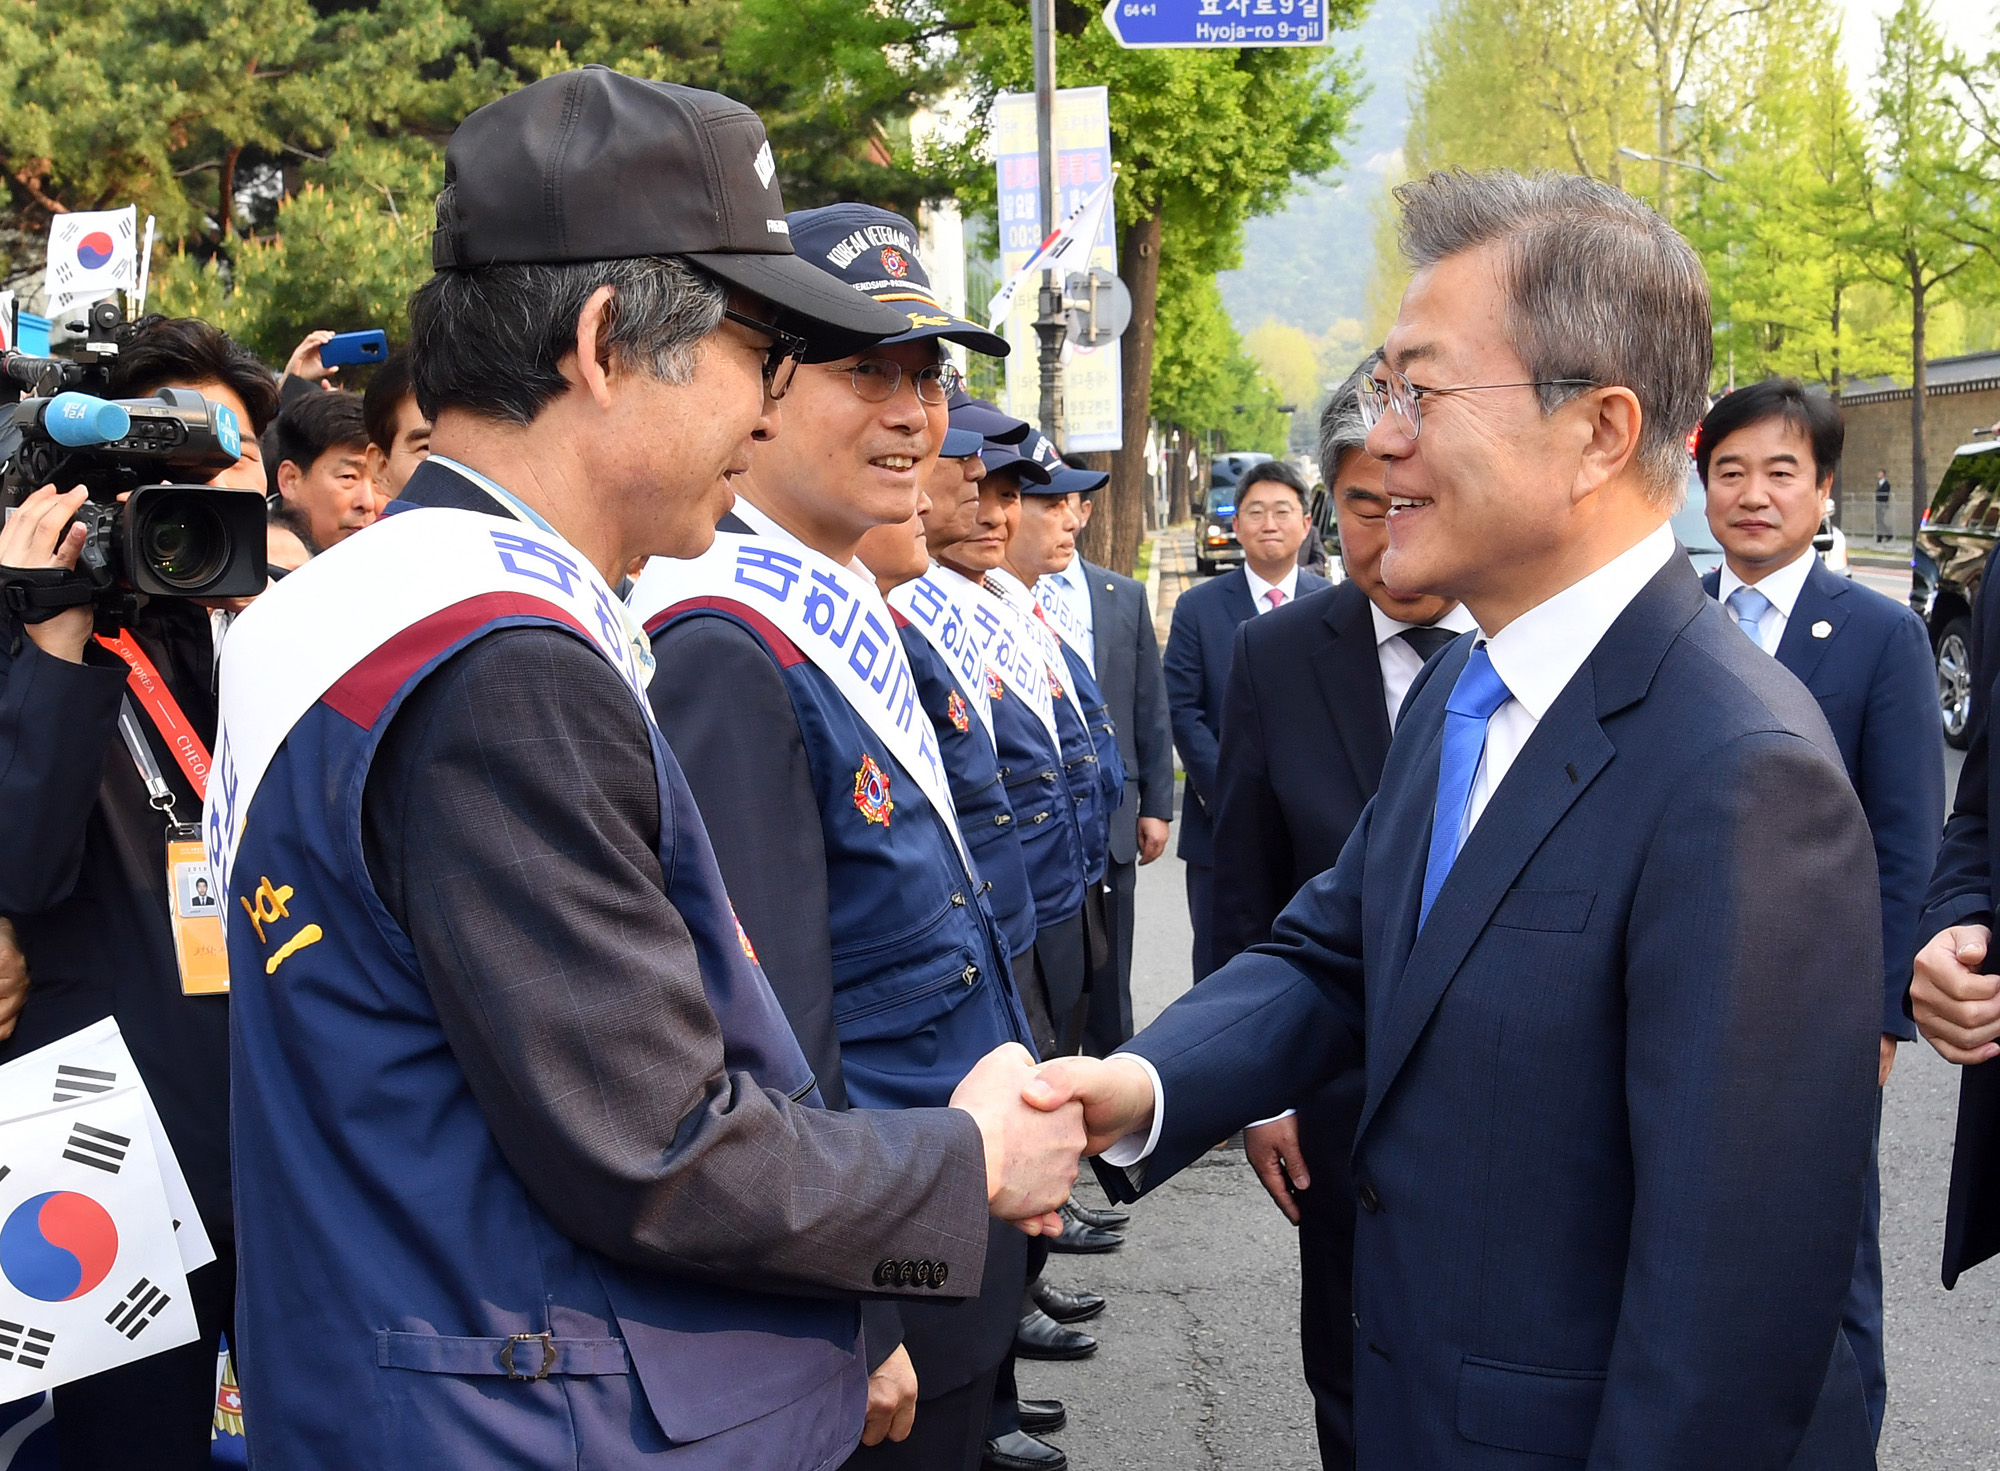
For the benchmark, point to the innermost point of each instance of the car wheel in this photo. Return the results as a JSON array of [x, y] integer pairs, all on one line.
[[1203, 567], [1954, 679]]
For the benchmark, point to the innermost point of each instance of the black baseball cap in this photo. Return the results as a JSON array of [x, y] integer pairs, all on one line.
[[875, 251], [983, 419], [595, 165]]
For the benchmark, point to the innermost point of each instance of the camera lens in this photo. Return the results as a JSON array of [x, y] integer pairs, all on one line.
[[183, 541]]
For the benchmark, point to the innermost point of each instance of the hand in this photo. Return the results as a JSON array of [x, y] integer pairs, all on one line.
[[13, 980], [1888, 1060], [304, 361], [1116, 1094], [892, 1399], [41, 534], [1273, 1152], [1152, 838], [1957, 1009], [1031, 1153]]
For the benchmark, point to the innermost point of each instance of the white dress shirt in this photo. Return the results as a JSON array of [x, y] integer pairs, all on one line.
[[1781, 589], [1401, 664], [1536, 656], [1260, 589]]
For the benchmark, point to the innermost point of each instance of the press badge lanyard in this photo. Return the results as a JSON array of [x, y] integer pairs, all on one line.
[[194, 907]]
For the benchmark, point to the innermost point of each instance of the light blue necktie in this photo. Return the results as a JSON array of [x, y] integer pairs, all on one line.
[[1479, 692], [1748, 607]]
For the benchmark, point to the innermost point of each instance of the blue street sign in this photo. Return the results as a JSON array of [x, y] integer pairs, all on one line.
[[1141, 23]]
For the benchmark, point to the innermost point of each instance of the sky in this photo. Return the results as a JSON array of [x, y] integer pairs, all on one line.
[[1967, 24]]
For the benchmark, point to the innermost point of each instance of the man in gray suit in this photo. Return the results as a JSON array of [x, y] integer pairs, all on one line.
[[1125, 658]]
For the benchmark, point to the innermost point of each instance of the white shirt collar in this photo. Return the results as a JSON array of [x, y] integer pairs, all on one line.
[[1781, 587], [1288, 585], [1539, 652], [1458, 620]]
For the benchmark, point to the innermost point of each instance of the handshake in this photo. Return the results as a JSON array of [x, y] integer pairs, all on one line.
[[1037, 1123]]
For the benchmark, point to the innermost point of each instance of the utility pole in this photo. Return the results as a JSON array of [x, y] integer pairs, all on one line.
[[1050, 324]]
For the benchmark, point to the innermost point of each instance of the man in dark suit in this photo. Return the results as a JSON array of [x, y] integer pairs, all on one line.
[[1621, 998], [1314, 690], [1767, 454], [1271, 523], [1117, 623]]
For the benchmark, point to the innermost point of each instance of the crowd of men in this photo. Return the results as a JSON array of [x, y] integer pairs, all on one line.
[[673, 832]]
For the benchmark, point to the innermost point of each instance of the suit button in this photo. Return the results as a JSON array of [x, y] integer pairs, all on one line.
[[923, 1274], [939, 1271], [885, 1272], [969, 974], [1366, 1197], [906, 1273]]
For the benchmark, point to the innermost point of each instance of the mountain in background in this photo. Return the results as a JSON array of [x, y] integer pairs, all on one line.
[[1309, 266]]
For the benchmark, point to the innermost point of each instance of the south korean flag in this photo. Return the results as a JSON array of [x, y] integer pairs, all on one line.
[[92, 1273], [92, 253]]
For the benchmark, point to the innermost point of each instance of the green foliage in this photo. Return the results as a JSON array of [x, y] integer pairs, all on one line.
[[1203, 379]]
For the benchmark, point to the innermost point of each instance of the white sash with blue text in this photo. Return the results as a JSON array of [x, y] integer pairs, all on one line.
[[1042, 638], [935, 611], [1058, 600], [1006, 646], [837, 618], [299, 639]]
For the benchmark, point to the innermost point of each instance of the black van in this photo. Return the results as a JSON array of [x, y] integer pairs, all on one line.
[[1959, 529]]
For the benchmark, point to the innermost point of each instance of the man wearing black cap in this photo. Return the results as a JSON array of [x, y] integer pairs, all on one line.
[[531, 1167], [787, 695]]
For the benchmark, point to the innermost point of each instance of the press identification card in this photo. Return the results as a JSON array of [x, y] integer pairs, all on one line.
[[197, 916]]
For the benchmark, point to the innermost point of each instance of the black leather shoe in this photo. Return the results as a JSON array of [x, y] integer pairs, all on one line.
[[1081, 1239], [1020, 1451], [1041, 1337], [1067, 1307], [1106, 1220], [1042, 1416]]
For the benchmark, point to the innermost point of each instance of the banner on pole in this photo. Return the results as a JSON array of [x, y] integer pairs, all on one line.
[[1091, 376]]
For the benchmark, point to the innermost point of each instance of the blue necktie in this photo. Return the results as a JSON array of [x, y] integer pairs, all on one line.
[[1748, 607], [1479, 692]]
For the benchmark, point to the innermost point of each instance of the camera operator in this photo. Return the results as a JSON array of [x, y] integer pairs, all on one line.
[[85, 880]]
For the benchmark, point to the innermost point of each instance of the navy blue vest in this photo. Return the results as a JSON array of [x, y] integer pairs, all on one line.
[[389, 1255], [922, 987], [984, 815], [1096, 779], [1044, 811]]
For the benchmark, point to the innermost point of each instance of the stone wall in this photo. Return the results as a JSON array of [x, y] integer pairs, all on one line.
[[1878, 435]]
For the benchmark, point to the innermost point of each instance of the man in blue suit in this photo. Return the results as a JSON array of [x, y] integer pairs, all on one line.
[[1609, 928], [1767, 454], [1271, 523]]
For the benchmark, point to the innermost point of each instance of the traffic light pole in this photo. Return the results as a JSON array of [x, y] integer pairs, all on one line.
[[1050, 324]]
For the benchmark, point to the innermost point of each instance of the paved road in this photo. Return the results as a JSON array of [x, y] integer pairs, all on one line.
[[1199, 1364]]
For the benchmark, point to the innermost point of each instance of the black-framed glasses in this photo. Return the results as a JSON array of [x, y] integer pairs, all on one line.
[[781, 362], [1405, 399], [877, 379]]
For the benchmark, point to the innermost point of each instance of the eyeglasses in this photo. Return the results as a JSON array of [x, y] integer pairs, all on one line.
[[1406, 398], [782, 361], [877, 379]]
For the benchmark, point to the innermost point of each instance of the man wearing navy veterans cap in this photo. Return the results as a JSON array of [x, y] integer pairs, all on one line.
[[532, 1170], [787, 694]]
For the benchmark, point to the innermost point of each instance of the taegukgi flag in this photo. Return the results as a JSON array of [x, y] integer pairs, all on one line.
[[91, 1270], [91, 255]]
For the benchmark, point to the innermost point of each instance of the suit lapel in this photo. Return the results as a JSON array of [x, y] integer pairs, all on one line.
[[1821, 600], [1104, 606], [1242, 606], [1557, 765], [1349, 674]]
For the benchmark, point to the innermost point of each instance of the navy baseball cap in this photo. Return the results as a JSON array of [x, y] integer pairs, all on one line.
[[962, 444], [1075, 480], [983, 419], [1040, 451], [592, 165], [875, 251]]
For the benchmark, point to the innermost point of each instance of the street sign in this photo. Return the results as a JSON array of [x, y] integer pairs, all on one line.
[[1142, 23], [1099, 307]]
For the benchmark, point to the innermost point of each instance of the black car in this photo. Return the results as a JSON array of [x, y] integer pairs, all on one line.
[[1959, 529]]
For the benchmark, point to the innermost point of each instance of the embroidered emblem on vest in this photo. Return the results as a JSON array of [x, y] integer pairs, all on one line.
[[995, 685], [955, 711], [871, 792], [1055, 685]]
